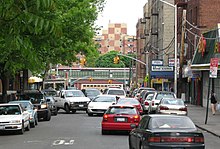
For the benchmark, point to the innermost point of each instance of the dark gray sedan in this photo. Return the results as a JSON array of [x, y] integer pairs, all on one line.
[[166, 132]]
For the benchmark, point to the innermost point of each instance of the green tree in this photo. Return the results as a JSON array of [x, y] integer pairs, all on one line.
[[107, 60], [37, 33]]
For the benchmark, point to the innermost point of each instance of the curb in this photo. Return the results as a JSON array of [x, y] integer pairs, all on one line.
[[207, 131]]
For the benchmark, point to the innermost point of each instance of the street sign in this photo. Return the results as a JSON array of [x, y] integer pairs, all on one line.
[[213, 68]]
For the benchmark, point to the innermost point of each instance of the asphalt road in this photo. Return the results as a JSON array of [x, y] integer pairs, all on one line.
[[75, 131]]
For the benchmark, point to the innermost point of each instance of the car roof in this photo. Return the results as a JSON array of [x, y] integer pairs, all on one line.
[[6, 104], [15, 101], [165, 115], [115, 89], [122, 105], [106, 95]]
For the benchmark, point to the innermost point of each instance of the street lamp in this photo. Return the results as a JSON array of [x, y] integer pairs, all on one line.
[[175, 45]]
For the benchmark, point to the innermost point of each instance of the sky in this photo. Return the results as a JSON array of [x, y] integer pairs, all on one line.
[[122, 11]]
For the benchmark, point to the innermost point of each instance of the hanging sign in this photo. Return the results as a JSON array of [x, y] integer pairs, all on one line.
[[213, 68]]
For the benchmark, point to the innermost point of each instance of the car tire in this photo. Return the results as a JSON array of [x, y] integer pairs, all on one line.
[[28, 127], [33, 124], [90, 114], [73, 111], [48, 116], [21, 131], [58, 109], [104, 132], [55, 112], [67, 108]]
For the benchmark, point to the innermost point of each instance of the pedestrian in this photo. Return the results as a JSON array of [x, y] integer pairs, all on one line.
[[213, 102], [14, 97]]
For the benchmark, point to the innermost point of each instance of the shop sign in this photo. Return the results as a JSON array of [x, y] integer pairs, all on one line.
[[157, 62], [161, 68], [213, 68]]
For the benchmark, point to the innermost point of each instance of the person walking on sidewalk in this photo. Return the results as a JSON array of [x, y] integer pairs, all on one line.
[[213, 102]]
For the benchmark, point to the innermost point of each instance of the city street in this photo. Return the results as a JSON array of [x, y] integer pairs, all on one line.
[[76, 131]]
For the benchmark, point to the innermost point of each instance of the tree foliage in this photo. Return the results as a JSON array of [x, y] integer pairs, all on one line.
[[107, 60], [36, 33]]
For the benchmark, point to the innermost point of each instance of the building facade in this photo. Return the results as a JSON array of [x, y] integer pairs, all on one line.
[[115, 38]]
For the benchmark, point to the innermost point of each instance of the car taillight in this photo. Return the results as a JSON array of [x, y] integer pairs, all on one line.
[[136, 118], [146, 103], [154, 139], [140, 99], [152, 103], [199, 139], [183, 109], [105, 117], [177, 139], [164, 108]]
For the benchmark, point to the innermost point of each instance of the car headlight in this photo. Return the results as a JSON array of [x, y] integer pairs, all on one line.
[[15, 121], [71, 102], [43, 106]]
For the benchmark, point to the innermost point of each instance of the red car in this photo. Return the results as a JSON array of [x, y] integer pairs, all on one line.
[[120, 118], [131, 101]]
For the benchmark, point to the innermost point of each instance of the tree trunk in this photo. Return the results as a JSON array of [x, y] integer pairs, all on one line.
[[5, 87]]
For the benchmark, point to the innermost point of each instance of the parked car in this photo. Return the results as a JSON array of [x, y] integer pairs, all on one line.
[[91, 92], [120, 118], [100, 104], [13, 117], [147, 101], [115, 91], [141, 89], [131, 101], [38, 99], [28, 106], [165, 131], [52, 104], [158, 95], [172, 106], [72, 100]]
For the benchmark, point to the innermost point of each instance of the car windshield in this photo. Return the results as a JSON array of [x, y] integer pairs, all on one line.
[[10, 110], [74, 93], [104, 99], [25, 105], [164, 95], [172, 102], [128, 101], [92, 93], [50, 93], [171, 123], [121, 110], [35, 98], [116, 92]]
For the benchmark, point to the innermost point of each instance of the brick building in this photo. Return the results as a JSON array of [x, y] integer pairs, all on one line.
[[115, 38]]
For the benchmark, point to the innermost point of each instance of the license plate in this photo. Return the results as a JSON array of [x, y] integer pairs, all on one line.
[[81, 105], [120, 119]]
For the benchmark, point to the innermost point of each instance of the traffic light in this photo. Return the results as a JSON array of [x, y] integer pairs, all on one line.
[[116, 59], [82, 61], [90, 79], [109, 81]]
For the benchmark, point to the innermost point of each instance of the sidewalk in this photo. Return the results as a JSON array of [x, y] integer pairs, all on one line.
[[198, 116]]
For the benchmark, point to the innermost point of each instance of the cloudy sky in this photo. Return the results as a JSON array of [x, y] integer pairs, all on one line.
[[122, 11]]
